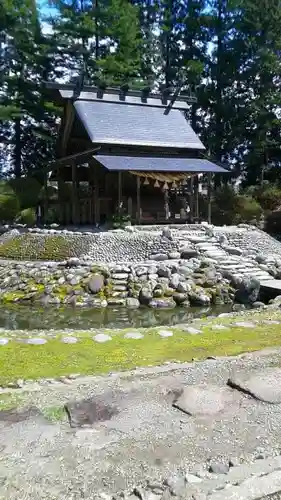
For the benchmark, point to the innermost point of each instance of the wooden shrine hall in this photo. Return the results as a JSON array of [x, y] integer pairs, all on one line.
[[126, 152]]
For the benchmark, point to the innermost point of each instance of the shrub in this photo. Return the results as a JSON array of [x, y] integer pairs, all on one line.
[[246, 209], [9, 207], [269, 197], [27, 190], [229, 207], [27, 216]]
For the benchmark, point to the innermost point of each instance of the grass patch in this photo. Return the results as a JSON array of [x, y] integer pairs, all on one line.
[[54, 359], [10, 400], [54, 413]]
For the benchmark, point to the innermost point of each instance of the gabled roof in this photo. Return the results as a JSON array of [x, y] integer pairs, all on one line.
[[151, 164], [130, 118], [136, 124]]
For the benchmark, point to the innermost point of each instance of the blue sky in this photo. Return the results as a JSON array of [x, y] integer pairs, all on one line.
[[45, 8]]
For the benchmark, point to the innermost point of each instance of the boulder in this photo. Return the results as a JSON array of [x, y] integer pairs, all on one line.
[[159, 257], [164, 272], [174, 281], [188, 253], [199, 298], [132, 303], [248, 291], [166, 303], [167, 233], [96, 283], [179, 298], [145, 296], [174, 255], [183, 287], [233, 250]]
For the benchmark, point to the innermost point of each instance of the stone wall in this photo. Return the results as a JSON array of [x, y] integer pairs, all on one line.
[[158, 267], [76, 283]]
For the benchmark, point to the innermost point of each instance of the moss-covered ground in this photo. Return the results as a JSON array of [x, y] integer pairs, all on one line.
[[54, 359]]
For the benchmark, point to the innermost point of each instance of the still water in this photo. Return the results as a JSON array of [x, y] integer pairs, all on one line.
[[31, 318]]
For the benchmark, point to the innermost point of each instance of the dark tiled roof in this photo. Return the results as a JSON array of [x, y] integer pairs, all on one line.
[[158, 164], [129, 124]]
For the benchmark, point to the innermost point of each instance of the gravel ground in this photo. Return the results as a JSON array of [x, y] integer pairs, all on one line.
[[146, 438]]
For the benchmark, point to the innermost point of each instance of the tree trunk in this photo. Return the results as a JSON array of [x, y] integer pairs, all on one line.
[[17, 163]]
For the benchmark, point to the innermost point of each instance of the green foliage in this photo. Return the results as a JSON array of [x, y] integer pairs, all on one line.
[[269, 197], [27, 216], [27, 189], [231, 208], [9, 207]]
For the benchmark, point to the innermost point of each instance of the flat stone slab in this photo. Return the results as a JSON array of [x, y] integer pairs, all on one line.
[[87, 412], [133, 335], [200, 400], [192, 330], [69, 340], [264, 386], [244, 324], [102, 337], [219, 327], [36, 341], [165, 333]]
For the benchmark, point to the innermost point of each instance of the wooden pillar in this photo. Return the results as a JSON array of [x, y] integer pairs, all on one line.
[[166, 204], [45, 199], [97, 200], [209, 198], [191, 198], [196, 196], [119, 193], [74, 194], [138, 201]]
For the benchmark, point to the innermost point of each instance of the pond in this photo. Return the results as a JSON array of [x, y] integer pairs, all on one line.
[[33, 318]]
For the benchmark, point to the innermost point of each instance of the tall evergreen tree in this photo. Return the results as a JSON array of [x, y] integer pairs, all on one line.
[[24, 63]]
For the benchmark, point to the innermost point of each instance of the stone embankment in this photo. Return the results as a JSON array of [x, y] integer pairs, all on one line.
[[177, 265]]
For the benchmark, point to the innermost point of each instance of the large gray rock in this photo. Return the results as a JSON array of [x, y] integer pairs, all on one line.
[[179, 298], [174, 281], [163, 271], [145, 296], [96, 283], [188, 253], [166, 303], [248, 291], [132, 303], [200, 400], [265, 386], [198, 298]]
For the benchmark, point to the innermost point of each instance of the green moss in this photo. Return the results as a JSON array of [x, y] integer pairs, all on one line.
[[54, 413], [33, 247], [10, 400], [10, 297], [21, 361]]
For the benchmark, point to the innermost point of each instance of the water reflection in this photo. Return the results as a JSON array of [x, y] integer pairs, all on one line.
[[31, 318]]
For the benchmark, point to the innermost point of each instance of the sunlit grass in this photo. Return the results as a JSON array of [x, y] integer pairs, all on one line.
[[54, 359]]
